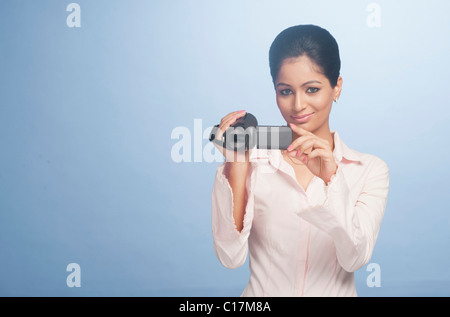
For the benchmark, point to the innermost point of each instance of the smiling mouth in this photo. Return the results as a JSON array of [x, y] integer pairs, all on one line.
[[302, 119], [304, 116]]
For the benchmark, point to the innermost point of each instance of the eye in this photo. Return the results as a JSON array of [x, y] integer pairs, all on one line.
[[312, 90], [286, 92]]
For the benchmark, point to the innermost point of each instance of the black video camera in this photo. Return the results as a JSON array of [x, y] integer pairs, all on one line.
[[246, 134]]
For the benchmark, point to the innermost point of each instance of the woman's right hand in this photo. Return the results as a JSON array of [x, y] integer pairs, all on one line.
[[225, 123]]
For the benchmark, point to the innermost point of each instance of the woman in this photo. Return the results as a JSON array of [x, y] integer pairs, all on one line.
[[308, 216]]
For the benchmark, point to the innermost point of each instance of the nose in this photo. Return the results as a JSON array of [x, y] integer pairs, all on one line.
[[298, 104]]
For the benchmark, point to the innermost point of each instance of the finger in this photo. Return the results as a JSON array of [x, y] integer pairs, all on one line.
[[306, 147], [299, 141], [312, 144], [224, 126], [316, 153], [227, 121], [322, 143], [299, 130], [233, 114], [230, 119]]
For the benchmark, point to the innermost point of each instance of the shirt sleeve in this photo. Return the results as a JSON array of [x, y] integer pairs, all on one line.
[[353, 226], [230, 245]]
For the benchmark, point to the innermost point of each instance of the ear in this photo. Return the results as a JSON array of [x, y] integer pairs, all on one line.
[[338, 88]]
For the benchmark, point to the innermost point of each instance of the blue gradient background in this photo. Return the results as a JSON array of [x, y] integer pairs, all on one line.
[[86, 116]]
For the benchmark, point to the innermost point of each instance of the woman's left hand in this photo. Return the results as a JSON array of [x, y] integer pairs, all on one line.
[[320, 161]]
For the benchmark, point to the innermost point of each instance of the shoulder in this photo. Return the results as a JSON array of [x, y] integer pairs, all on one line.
[[360, 167], [363, 160], [369, 172], [372, 162], [354, 158]]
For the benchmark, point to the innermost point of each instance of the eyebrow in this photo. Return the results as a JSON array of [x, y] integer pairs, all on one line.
[[304, 84]]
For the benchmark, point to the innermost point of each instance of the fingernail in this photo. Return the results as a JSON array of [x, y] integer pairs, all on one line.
[[289, 147], [241, 111]]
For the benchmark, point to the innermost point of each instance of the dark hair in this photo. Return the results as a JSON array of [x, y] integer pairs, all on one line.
[[310, 40]]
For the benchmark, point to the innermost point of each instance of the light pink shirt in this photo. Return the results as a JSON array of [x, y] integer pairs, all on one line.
[[302, 243]]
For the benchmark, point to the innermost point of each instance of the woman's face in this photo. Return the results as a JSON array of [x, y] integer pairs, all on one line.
[[304, 95]]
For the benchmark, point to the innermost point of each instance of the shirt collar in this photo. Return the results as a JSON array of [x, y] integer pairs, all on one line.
[[341, 151]]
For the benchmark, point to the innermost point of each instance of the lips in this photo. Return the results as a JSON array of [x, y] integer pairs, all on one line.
[[303, 118]]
